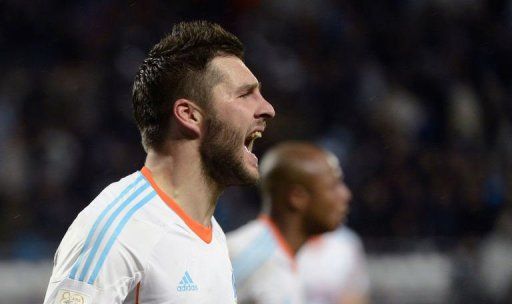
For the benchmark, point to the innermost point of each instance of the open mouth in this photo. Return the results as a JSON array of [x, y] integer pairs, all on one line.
[[249, 141]]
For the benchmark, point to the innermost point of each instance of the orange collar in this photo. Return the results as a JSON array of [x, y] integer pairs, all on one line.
[[279, 236], [203, 232]]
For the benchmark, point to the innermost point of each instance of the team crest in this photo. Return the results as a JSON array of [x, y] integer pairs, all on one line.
[[71, 297]]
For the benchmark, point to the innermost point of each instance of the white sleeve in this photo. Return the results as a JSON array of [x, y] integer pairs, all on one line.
[[80, 292], [117, 278], [104, 276]]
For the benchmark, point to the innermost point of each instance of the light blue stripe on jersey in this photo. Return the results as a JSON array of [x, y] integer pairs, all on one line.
[[253, 256], [117, 231], [107, 225], [97, 222]]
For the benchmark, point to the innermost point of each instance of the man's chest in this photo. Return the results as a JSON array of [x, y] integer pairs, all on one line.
[[274, 282], [188, 271]]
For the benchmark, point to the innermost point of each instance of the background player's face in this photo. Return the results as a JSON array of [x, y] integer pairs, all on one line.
[[238, 111], [329, 197]]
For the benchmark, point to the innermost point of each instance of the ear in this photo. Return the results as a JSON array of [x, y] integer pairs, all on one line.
[[188, 116], [299, 198]]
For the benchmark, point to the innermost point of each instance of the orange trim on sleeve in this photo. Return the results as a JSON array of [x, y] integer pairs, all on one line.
[[137, 293], [203, 232], [280, 238]]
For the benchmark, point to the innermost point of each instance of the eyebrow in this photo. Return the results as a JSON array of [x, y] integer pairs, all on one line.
[[249, 87]]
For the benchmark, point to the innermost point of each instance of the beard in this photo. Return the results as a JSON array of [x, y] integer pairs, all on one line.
[[220, 155]]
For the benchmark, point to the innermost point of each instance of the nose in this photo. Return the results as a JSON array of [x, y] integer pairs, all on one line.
[[346, 194], [349, 195], [265, 109]]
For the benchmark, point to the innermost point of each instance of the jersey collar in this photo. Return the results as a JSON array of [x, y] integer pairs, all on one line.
[[285, 246], [203, 232]]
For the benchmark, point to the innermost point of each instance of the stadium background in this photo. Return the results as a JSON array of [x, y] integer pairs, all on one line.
[[414, 96]]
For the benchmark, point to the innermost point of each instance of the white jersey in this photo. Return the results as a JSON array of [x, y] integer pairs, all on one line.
[[134, 244], [332, 266], [264, 267]]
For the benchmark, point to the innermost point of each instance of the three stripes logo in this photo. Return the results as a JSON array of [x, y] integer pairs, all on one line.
[[107, 228], [186, 283]]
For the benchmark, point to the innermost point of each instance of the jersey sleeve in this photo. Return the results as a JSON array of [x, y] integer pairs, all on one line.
[[92, 276], [105, 271], [80, 292]]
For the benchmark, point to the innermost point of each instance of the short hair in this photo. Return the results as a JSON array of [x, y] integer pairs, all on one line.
[[177, 67], [286, 165]]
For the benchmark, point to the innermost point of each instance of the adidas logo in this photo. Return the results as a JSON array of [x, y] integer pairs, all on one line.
[[186, 283]]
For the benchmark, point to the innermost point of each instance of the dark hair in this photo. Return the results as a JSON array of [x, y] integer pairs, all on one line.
[[177, 67]]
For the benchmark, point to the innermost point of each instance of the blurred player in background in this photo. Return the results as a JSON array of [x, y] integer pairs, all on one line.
[[333, 269], [151, 237], [303, 195]]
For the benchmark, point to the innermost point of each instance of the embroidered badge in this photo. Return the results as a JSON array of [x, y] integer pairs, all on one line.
[[71, 297]]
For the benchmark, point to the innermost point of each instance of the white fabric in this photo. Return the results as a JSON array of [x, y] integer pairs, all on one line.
[[264, 272], [332, 265], [149, 245]]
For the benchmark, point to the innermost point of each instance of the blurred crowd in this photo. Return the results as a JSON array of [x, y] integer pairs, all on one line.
[[413, 96]]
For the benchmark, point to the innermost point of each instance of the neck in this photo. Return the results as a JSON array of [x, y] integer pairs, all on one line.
[[178, 173], [291, 228]]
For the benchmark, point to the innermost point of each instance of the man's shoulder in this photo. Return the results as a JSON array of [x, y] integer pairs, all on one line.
[[123, 185], [342, 241], [345, 235], [253, 241], [245, 233], [115, 189], [118, 219]]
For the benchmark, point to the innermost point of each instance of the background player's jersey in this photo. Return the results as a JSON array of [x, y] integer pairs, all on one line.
[[264, 267], [333, 266], [133, 244]]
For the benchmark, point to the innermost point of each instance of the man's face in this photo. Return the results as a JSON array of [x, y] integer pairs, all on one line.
[[235, 119], [329, 197]]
